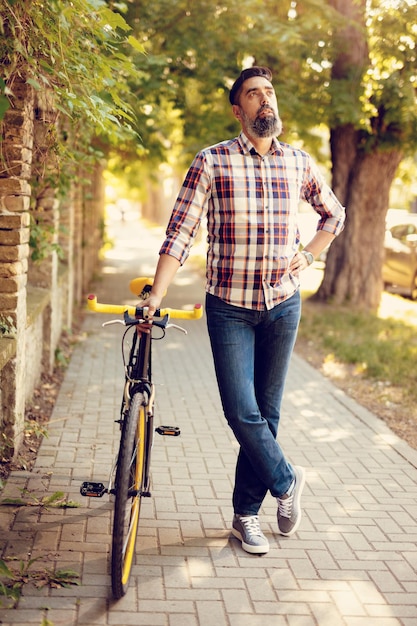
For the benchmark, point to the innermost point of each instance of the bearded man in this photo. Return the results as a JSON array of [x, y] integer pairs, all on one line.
[[249, 188]]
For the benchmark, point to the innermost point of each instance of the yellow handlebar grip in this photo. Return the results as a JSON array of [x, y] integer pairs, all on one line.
[[180, 314], [119, 309], [115, 309]]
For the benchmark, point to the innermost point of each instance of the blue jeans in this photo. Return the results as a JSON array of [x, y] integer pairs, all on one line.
[[252, 352]]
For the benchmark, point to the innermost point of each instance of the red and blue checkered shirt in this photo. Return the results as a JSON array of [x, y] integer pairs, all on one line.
[[251, 203]]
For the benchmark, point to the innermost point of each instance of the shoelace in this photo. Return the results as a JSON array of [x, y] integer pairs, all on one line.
[[251, 524], [285, 506]]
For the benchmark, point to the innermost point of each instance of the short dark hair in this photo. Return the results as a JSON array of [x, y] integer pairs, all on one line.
[[249, 72]]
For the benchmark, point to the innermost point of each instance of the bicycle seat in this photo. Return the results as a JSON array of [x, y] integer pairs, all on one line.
[[141, 287]]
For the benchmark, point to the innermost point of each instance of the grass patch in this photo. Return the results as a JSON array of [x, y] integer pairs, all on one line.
[[383, 350]]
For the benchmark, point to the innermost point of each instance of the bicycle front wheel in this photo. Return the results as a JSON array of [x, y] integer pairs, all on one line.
[[130, 475]]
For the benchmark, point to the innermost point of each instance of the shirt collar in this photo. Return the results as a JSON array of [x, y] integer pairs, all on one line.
[[248, 147]]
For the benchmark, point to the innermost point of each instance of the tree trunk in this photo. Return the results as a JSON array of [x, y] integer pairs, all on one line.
[[362, 182], [361, 178]]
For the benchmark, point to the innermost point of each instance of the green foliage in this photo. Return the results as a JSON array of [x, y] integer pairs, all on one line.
[[78, 51], [61, 358], [56, 500], [41, 241], [12, 580], [93, 59], [390, 81], [4, 101], [195, 50]]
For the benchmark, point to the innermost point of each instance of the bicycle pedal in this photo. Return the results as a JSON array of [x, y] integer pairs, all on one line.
[[170, 431], [92, 490]]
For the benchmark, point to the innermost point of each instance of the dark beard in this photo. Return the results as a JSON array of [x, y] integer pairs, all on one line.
[[265, 126], [268, 126]]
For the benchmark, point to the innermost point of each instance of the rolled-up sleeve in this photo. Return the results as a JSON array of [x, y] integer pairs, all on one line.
[[323, 200], [189, 210]]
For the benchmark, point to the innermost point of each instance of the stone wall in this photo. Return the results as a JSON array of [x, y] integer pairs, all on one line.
[[38, 297]]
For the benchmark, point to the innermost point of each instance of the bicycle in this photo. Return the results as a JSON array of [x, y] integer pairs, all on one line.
[[129, 478]]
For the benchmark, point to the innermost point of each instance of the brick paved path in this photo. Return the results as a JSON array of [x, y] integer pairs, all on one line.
[[353, 561]]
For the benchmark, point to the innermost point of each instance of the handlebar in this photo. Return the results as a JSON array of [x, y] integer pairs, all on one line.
[[138, 312]]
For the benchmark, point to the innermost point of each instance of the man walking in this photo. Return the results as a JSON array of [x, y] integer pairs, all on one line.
[[249, 188]]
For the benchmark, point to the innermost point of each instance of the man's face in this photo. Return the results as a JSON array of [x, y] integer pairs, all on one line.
[[257, 110]]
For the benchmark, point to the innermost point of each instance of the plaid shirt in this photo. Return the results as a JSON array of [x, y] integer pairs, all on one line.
[[251, 203]]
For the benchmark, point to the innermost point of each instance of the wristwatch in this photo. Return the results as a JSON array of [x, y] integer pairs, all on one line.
[[308, 256]]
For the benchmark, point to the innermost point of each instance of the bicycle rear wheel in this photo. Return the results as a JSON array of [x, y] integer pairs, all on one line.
[[130, 475]]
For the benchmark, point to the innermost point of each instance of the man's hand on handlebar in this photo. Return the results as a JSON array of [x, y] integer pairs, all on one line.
[[152, 303]]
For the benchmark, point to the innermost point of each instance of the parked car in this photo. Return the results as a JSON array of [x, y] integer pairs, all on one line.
[[399, 270]]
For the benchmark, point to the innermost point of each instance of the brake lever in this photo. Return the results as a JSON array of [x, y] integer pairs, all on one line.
[[110, 322], [128, 321], [177, 328]]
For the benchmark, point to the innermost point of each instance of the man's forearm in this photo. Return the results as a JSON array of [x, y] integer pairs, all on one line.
[[165, 271], [319, 242]]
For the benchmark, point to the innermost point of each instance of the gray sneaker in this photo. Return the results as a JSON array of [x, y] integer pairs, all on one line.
[[289, 507], [246, 528]]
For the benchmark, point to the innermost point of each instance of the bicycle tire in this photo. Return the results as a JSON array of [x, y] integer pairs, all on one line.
[[130, 474]]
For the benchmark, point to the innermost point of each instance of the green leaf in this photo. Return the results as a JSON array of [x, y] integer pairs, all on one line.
[[4, 570], [70, 504], [114, 20], [34, 83], [54, 497], [13, 501], [136, 44], [4, 105], [67, 576]]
